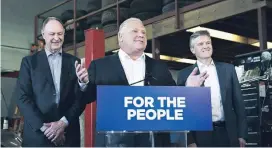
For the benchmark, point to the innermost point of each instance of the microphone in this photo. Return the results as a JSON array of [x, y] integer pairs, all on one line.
[[147, 77]]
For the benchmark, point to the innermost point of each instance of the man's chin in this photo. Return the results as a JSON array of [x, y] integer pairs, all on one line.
[[56, 48], [206, 57], [142, 48]]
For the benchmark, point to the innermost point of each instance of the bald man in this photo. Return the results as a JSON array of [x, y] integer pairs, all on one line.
[[128, 66], [49, 88]]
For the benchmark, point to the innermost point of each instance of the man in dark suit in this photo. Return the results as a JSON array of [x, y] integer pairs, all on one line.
[[49, 88], [128, 66], [228, 112]]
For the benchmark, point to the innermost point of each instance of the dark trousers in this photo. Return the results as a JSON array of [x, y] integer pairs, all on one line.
[[216, 138]]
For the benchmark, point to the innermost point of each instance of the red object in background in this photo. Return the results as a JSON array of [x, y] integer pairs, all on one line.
[[94, 49], [13, 74]]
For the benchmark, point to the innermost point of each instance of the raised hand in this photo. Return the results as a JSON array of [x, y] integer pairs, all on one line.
[[81, 72], [195, 80]]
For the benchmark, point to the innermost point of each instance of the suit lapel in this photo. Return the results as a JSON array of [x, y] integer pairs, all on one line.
[[221, 78], [120, 70], [198, 71], [65, 71], [45, 69]]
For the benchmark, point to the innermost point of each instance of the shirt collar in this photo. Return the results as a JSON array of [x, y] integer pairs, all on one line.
[[200, 65], [124, 56], [48, 53]]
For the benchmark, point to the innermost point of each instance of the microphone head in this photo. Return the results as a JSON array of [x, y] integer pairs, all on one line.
[[266, 56]]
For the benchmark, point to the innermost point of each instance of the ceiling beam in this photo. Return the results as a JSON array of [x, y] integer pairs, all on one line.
[[195, 17]]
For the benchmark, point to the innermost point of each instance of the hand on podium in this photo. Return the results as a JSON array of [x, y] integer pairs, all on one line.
[[195, 80]]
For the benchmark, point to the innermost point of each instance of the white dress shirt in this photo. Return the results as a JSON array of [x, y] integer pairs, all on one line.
[[213, 82], [134, 69]]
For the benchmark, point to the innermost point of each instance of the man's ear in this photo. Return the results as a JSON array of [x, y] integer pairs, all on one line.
[[192, 50], [42, 33], [120, 36]]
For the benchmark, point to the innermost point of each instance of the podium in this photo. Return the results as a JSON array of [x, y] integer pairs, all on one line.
[[125, 112]]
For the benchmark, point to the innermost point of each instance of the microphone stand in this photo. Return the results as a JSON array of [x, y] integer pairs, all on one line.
[[151, 134], [137, 82], [147, 76]]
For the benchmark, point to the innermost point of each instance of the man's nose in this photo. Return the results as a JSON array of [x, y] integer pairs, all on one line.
[[56, 37], [140, 34]]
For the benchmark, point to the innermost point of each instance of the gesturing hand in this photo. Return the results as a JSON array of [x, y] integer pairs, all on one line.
[[195, 80], [81, 72]]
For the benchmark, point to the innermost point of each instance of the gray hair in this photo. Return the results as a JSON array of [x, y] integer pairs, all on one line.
[[196, 35], [124, 24], [47, 20]]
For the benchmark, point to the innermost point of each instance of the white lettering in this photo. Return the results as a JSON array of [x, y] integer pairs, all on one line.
[[169, 109], [172, 102], [128, 100], [180, 102], [161, 99], [138, 102], [149, 102], [153, 114], [168, 116], [140, 114], [178, 114], [131, 113], [161, 113]]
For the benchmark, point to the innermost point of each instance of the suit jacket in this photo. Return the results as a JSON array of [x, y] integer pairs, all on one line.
[[109, 71], [233, 105], [36, 99]]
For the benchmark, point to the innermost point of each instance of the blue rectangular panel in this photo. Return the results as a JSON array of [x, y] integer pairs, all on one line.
[[153, 108]]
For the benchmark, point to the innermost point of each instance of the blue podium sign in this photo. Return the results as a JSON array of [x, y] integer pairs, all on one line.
[[153, 108]]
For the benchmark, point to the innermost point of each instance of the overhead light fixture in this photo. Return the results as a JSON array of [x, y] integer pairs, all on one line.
[[220, 34], [269, 44], [170, 58], [229, 36]]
